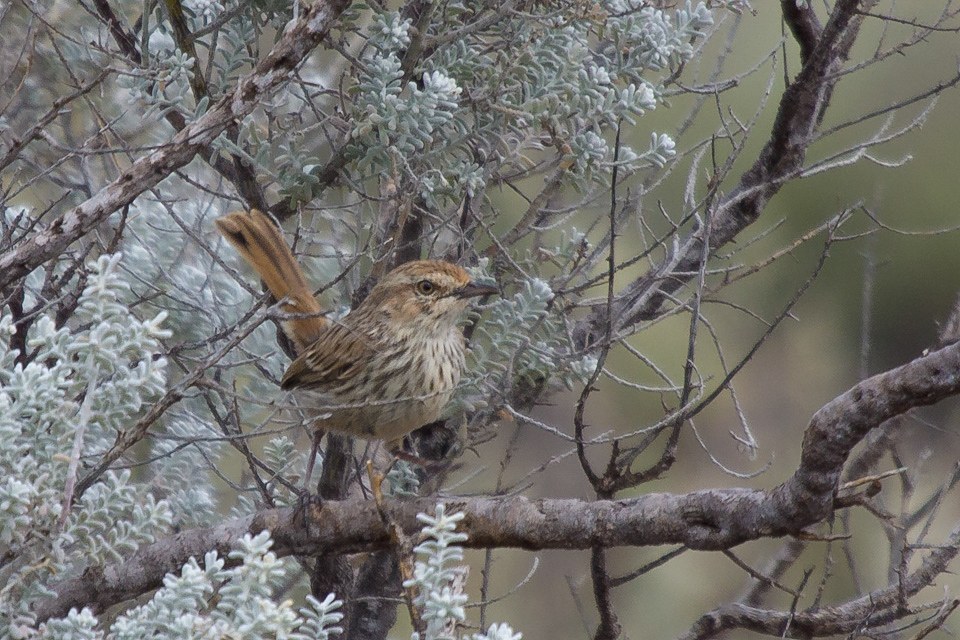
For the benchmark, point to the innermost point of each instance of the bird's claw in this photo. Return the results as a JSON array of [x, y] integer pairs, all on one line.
[[301, 512]]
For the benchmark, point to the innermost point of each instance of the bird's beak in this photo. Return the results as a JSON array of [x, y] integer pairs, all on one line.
[[474, 290]]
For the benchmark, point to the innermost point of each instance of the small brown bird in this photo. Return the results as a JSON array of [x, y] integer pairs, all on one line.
[[392, 364]]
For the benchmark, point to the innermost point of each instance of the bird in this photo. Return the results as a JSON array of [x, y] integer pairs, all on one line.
[[388, 367]]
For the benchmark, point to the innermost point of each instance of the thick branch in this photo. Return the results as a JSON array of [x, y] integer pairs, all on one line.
[[147, 172], [237, 172], [712, 519]]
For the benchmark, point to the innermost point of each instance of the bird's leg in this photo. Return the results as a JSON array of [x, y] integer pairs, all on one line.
[[430, 467], [301, 512], [376, 486], [314, 448], [306, 499], [412, 458], [400, 541]]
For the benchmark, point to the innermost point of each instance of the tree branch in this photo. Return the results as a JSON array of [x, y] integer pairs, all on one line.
[[801, 108], [238, 172], [146, 172], [708, 520], [866, 612]]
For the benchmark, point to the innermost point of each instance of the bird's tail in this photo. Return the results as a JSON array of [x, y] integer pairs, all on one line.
[[260, 242]]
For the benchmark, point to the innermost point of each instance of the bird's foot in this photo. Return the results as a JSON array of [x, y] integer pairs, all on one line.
[[306, 501], [430, 467]]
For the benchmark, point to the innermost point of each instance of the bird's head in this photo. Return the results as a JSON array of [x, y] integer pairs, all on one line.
[[425, 291]]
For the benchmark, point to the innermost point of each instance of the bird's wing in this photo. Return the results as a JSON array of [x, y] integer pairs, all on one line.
[[339, 353]]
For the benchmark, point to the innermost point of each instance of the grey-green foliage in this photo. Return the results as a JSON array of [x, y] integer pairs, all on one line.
[[211, 601], [439, 579], [165, 86], [522, 337], [161, 83], [490, 94], [437, 575], [569, 72], [86, 382], [476, 104], [651, 39], [403, 480], [280, 454], [83, 384], [479, 104], [180, 473], [397, 122], [199, 299]]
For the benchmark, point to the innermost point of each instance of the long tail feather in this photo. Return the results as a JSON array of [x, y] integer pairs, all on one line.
[[260, 242]]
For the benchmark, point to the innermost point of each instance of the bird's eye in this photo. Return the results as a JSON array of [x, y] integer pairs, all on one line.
[[425, 287]]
